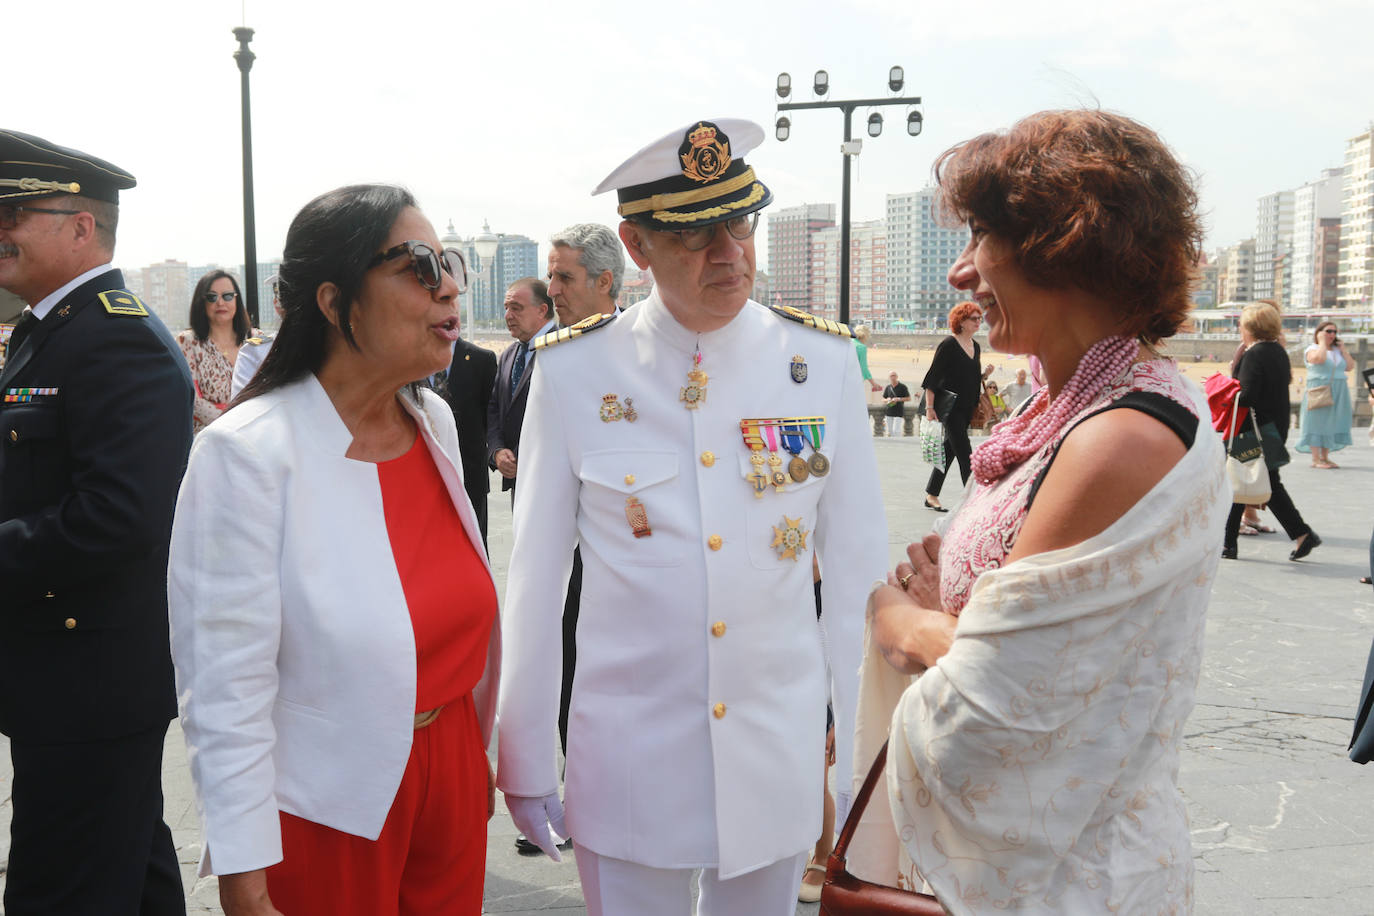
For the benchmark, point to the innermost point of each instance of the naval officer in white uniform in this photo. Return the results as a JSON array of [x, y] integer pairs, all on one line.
[[700, 447]]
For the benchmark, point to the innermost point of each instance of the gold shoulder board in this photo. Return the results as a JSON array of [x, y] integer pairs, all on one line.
[[585, 326], [123, 302], [811, 321]]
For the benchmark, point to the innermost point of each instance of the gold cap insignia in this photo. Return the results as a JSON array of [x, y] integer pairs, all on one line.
[[705, 153]]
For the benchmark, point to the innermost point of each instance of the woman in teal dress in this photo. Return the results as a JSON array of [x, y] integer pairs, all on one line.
[[861, 335], [1326, 429]]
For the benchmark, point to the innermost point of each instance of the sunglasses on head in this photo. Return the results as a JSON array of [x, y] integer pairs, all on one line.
[[212, 297], [428, 263]]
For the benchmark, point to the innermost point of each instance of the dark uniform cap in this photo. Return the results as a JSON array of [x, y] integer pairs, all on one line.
[[32, 167], [694, 176]]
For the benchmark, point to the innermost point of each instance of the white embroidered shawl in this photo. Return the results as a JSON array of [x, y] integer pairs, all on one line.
[[1035, 766]]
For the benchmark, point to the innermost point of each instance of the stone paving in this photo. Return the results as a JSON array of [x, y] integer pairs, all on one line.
[[1280, 816]]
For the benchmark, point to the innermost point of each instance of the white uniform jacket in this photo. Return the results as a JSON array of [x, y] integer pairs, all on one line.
[[294, 652], [696, 733]]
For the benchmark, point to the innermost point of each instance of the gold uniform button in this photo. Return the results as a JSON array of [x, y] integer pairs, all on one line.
[[70, 623], [718, 628], [14, 435], [629, 478], [708, 458], [49, 595], [719, 711], [714, 541]]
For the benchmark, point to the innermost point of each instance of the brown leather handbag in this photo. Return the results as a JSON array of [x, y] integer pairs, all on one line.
[[845, 895]]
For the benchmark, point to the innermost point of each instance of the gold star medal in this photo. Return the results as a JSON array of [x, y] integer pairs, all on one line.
[[789, 539]]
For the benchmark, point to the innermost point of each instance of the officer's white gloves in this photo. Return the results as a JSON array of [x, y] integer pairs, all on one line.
[[534, 816]]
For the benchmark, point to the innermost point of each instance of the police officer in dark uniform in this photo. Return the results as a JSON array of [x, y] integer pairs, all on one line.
[[95, 427]]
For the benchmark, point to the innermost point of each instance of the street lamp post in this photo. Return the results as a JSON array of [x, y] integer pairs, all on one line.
[[244, 58], [850, 147], [486, 246]]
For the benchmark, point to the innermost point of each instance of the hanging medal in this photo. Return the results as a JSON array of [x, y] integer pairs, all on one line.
[[792, 441], [775, 471], [814, 431], [694, 394], [758, 478]]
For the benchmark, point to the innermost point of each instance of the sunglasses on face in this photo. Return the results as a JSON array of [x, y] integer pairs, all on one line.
[[428, 263], [740, 228], [211, 298], [9, 215]]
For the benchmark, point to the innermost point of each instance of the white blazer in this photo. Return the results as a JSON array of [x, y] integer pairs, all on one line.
[[292, 640]]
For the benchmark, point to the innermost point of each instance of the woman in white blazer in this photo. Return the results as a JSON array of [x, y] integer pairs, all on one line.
[[333, 615]]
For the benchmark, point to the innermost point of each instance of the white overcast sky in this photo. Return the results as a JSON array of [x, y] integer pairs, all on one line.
[[514, 111]]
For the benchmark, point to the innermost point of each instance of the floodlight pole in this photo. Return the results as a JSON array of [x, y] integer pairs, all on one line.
[[244, 58], [847, 106]]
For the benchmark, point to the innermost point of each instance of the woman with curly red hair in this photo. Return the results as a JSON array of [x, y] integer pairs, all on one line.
[[956, 370], [1034, 761]]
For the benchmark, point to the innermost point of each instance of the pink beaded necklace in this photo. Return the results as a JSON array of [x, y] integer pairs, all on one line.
[[1015, 440]]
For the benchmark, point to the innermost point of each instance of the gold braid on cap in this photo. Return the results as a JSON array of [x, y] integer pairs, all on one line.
[[668, 216], [683, 198], [37, 184]]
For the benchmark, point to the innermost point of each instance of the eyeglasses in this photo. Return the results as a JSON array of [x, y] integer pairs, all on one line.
[[427, 263], [9, 215], [212, 297], [741, 228], [1328, 330]]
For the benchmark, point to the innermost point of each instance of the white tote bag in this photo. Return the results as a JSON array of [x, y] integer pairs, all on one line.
[[933, 442], [1246, 469]]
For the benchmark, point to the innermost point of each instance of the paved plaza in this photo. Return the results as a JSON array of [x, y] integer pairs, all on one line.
[[1280, 817]]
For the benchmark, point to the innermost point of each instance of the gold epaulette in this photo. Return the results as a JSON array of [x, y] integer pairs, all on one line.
[[585, 326], [811, 321], [123, 302]]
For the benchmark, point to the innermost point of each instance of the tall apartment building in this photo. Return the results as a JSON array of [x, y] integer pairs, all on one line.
[[867, 272], [1234, 273], [919, 254], [1273, 243], [1356, 285], [166, 290], [789, 252], [1326, 264], [1313, 203], [516, 257]]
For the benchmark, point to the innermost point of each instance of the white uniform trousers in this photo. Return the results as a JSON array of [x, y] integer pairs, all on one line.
[[615, 887], [894, 426]]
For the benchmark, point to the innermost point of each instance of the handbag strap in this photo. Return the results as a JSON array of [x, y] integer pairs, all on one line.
[[851, 823]]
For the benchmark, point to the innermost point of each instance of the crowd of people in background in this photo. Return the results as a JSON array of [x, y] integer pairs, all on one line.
[[683, 476]]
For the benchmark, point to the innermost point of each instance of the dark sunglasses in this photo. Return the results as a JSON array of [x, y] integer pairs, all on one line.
[[9, 214], [427, 263], [740, 228], [212, 297]]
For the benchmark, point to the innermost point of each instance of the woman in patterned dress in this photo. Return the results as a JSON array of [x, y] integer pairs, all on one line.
[[1057, 625], [219, 326]]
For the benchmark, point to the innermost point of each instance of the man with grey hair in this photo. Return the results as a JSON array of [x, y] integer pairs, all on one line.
[[586, 266]]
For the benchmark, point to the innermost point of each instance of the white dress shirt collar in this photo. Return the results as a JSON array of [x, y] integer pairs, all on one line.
[[48, 302]]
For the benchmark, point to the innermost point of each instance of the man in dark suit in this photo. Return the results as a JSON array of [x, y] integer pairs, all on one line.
[[95, 419], [467, 387], [529, 313]]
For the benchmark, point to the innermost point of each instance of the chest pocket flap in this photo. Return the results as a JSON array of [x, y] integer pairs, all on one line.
[[629, 471], [18, 425]]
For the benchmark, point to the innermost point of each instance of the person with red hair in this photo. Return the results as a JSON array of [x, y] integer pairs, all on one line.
[[1034, 761], [956, 369]]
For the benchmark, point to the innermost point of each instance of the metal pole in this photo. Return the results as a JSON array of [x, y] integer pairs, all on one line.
[[245, 58], [844, 226]]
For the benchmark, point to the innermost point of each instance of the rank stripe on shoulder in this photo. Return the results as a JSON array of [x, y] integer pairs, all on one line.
[[123, 302], [811, 321], [562, 335]]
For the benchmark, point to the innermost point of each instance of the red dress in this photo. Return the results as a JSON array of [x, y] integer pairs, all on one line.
[[431, 854]]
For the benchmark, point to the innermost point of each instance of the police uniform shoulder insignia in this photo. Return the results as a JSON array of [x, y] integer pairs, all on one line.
[[562, 335], [123, 302], [811, 321]]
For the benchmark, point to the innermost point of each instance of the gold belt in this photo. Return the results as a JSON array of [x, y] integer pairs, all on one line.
[[423, 719]]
